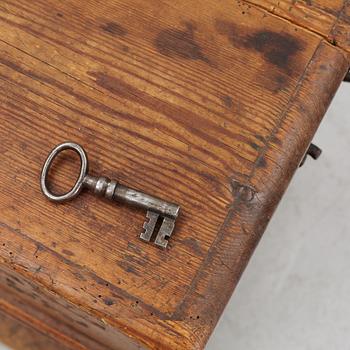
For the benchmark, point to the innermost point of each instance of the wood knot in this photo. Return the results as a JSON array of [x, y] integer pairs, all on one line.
[[245, 193]]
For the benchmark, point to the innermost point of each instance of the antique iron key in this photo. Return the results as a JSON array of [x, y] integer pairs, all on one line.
[[158, 210]]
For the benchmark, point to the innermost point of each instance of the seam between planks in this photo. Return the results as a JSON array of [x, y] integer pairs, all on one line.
[[309, 30]]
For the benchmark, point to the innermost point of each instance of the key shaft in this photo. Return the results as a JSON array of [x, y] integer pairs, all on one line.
[[112, 190]]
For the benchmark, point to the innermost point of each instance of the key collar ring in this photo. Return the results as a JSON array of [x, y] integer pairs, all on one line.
[[76, 189]]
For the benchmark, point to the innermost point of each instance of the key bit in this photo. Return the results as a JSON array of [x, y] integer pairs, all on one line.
[[149, 226], [165, 232]]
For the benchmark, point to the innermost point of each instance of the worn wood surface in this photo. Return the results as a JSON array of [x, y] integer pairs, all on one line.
[[327, 18], [55, 317], [208, 105], [20, 337]]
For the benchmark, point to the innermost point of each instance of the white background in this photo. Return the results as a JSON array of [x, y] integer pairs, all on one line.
[[295, 293]]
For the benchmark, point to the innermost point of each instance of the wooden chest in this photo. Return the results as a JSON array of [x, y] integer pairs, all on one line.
[[209, 104]]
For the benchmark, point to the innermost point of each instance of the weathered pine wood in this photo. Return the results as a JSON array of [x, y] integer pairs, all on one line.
[[328, 18], [19, 337], [65, 323], [209, 105]]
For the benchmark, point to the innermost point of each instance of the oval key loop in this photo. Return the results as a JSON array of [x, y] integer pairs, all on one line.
[[74, 192]]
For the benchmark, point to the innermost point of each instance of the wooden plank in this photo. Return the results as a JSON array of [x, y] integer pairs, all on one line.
[[328, 18], [202, 104], [64, 322], [19, 337]]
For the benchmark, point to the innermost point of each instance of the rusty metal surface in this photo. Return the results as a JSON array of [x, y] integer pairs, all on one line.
[[313, 151]]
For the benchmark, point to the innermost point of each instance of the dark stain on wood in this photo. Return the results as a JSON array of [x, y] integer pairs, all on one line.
[[115, 86], [212, 181], [108, 301], [128, 268], [261, 162], [276, 140], [230, 30], [254, 145], [277, 48], [39, 248], [135, 260], [79, 276], [193, 245], [17, 280], [101, 282], [134, 248], [280, 83], [180, 44], [13, 285], [114, 29], [125, 48], [67, 252], [227, 101], [260, 138]]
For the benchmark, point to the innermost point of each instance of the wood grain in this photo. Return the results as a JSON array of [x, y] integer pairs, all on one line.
[[210, 106], [20, 337], [328, 18]]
